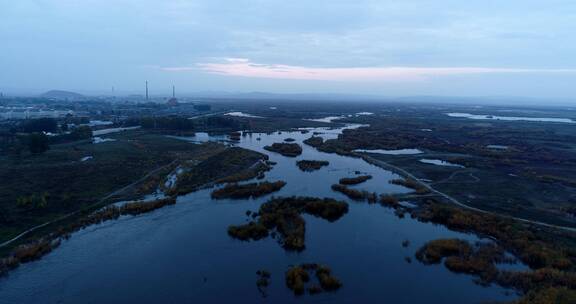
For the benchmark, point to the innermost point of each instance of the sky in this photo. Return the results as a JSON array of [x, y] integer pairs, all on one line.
[[370, 47]]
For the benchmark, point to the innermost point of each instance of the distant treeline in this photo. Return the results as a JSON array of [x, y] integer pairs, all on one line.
[[184, 123]]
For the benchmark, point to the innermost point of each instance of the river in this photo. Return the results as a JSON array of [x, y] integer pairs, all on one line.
[[182, 253]]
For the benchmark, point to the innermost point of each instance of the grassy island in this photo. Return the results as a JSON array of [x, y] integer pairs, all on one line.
[[263, 281], [412, 184], [314, 141], [552, 265], [286, 149], [311, 165], [354, 180], [283, 215], [358, 195], [297, 277], [462, 257], [248, 190]]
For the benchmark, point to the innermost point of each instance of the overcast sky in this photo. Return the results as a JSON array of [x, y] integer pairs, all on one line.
[[404, 47]]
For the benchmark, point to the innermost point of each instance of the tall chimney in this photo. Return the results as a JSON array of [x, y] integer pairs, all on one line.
[[173, 92], [146, 89]]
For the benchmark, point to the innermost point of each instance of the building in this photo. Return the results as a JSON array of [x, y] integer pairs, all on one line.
[[27, 113]]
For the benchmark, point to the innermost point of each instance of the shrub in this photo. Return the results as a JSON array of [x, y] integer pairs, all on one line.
[[412, 184], [354, 180], [351, 193], [38, 143], [311, 165], [248, 190], [250, 231], [552, 295], [314, 141], [295, 278], [283, 214], [298, 276], [388, 200], [434, 251], [286, 149], [327, 281]]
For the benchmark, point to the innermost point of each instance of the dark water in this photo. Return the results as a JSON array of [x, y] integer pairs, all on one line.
[[182, 253]]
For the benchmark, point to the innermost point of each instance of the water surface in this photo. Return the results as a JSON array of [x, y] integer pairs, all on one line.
[[439, 162], [242, 114], [511, 118], [391, 152]]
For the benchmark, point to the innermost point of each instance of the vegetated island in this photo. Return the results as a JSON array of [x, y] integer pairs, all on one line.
[[286, 149], [551, 278], [357, 195], [462, 257], [283, 215], [297, 277], [262, 281], [311, 165], [412, 184], [314, 141], [237, 191], [354, 180]]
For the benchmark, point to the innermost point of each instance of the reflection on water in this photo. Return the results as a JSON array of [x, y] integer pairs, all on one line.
[[202, 137], [497, 147], [241, 114], [327, 119], [511, 118], [182, 253], [391, 152], [439, 162], [113, 130]]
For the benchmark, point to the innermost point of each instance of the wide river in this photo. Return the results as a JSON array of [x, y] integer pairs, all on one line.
[[183, 254]]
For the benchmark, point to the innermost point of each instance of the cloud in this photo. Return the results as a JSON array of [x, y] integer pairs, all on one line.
[[243, 67], [363, 43]]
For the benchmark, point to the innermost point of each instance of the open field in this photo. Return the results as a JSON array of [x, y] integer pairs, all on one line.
[[518, 168], [40, 188]]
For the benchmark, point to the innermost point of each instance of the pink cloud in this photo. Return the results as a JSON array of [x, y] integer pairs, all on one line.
[[245, 68]]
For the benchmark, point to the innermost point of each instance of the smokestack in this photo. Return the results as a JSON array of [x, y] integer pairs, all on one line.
[[173, 92], [146, 89]]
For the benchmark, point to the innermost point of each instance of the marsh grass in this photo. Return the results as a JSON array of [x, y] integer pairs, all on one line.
[[36, 249], [297, 277], [412, 184], [283, 215], [311, 165], [251, 190], [286, 149], [354, 180]]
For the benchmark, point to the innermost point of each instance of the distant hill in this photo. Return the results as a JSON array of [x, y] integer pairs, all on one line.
[[59, 94], [424, 99], [288, 96]]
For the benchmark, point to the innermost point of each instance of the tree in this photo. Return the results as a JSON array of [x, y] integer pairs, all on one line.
[[81, 132], [38, 143], [16, 149], [40, 125]]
